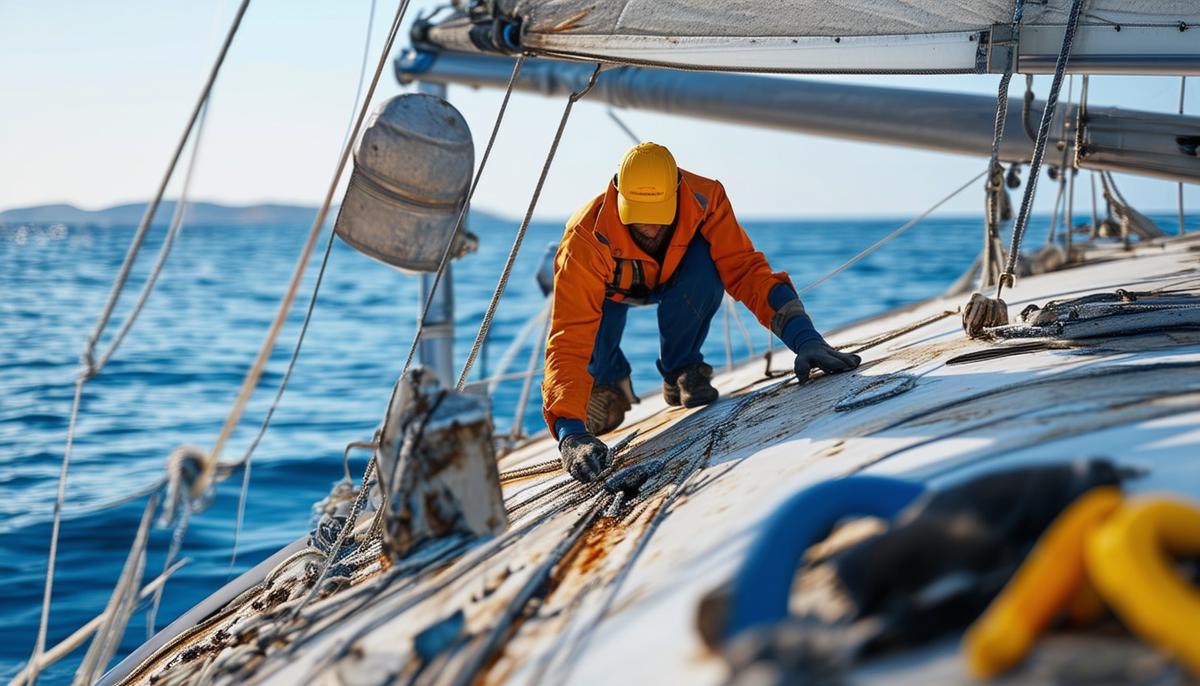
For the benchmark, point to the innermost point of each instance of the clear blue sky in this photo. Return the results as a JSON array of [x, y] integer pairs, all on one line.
[[93, 96]]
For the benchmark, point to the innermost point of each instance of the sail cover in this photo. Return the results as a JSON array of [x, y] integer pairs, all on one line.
[[845, 36]]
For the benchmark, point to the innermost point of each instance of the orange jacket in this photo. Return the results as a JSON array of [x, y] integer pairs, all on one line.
[[597, 258]]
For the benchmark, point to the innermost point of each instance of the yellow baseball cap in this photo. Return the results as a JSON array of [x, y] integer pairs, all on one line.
[[646, 185]]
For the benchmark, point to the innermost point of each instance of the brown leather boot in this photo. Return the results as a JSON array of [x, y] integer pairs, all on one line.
[[607, 407], [691, 386]]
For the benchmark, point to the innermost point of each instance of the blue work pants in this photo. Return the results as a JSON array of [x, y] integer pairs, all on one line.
[[686, 305]]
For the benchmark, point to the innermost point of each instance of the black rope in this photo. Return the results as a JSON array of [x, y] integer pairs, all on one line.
[[1039, 150]]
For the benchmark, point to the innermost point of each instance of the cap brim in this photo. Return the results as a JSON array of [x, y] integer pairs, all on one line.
[[659, 212]]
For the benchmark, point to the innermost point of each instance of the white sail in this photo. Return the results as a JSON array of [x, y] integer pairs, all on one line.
[[554, 21], [848, 36]]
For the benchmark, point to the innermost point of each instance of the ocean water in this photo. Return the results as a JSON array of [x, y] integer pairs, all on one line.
[[179, 370]]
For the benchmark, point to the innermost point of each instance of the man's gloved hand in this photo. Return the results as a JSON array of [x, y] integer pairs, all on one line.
[[819, 354], [795, 328], [583, 456]]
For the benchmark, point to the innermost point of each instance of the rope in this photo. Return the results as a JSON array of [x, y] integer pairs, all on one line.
[[728, 335], [1062, 171], [172, 552], [1081, 116], [40, 644], [510, 353], [516, 246], [612, 114], [536, 469], [737, 320], [1039, 149], [250, 382], [70, 643], [265, 351], [1076, 142], [1182, 92], [995, 179], [891, 236], [1054, 213], [362, 71], [120, 604], [344, 533], [163, 252], [537, 346], [462, 215], [1027, 109], [90, 366], [144, 226]]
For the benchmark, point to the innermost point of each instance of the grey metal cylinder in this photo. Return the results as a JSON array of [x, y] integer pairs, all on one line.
[[1127, 141], [412, 172]]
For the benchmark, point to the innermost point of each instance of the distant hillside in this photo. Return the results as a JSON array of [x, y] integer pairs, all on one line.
[[198, 213]]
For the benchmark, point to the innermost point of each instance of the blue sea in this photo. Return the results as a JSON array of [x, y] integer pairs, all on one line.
[[177, 373]]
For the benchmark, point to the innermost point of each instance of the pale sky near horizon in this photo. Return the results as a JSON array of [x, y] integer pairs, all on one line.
[[94, 95]]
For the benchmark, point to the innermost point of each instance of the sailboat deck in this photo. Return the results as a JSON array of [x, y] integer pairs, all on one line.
[[589, 591]]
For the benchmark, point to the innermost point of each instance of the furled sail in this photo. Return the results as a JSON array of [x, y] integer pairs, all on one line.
[[844, 36]]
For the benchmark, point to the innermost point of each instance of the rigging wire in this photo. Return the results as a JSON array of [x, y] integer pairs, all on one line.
[[165, 250], [462, 215], [91, 368], [1039, 149], [891, 236], [612, 114], [538, 345], [319, 222], [147, 217], [70, 643], [250, 381], [1062, 170], [737, 320], [1182, 92], [486, 325], [1075, 145], [995, 183], [176, 222], [362, 71]]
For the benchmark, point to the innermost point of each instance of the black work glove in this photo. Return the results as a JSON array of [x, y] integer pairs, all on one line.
[[583, 456], [819, 354]]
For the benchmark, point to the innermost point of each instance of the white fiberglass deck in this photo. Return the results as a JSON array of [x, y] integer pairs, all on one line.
[[622, 593]]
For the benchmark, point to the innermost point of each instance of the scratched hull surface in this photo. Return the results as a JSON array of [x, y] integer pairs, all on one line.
[[579, 584]]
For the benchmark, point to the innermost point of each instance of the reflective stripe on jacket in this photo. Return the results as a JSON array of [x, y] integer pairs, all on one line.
[[597, 258]]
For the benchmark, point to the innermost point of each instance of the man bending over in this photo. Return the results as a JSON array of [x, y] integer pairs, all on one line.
[[658, 235]]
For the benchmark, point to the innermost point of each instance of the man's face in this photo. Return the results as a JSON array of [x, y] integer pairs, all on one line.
[[649, 231]]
